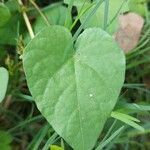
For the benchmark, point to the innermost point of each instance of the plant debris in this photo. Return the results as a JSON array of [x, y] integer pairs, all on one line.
[[129, 31]]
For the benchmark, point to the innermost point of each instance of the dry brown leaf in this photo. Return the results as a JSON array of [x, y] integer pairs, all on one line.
[[129, 31]]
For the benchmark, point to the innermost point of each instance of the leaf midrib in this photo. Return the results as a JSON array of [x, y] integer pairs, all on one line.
[[78, 105]]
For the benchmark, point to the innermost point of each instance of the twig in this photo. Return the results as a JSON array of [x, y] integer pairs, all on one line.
[[26, 20], [7, 101]]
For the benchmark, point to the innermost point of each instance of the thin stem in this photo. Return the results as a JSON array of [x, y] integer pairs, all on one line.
[[25, 122], [106, 13], [26, 19], [139, 53], [137, 48], [40, 12], [109, 140], [109, 131]]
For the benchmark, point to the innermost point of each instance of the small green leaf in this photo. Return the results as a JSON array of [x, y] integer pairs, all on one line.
[[75, 90], [54, 147], [3, 82], [54, 15], [14, 27], [4, 14], [115, 113], [127, 119], [13, 6]]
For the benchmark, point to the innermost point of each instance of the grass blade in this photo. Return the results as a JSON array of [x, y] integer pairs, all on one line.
[[97, 5], [112, 137], [106, 13], [128, 120], [34, 145], [50, 141]]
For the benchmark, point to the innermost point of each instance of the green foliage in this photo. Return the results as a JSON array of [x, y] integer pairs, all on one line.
[[4, 14], [115, 8], [138, 6], [77, 80], [38, 138], [75, 71], [77, 2], [55, 147], [13, 6], [14, 26], [53, 13], [5, 140], [127, 119], [110, 139], [3, 82]]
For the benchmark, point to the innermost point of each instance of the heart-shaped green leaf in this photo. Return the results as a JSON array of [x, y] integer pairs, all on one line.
[[4, 14], [75, 90], [3, 82]]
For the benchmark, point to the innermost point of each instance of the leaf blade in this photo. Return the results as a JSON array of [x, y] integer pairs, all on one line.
[[71, 91]]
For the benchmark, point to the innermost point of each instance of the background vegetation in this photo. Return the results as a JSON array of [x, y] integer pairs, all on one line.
[[21, 124]]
